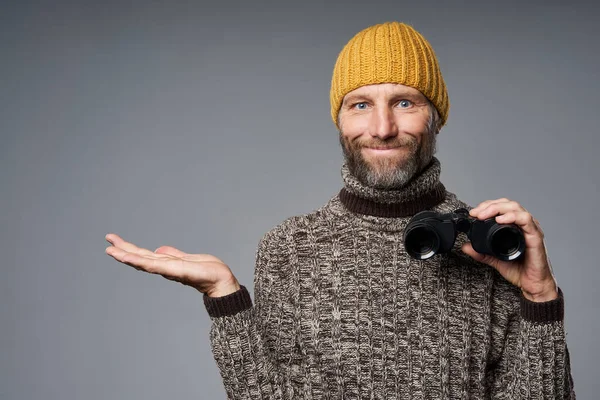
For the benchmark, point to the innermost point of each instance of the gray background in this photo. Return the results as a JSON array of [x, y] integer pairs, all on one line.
[[204, 125]]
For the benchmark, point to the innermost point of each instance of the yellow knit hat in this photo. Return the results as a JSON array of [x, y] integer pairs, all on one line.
[[391, 52]]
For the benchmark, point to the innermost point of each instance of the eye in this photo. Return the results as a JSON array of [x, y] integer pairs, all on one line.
[[360, 106], [405, 103]]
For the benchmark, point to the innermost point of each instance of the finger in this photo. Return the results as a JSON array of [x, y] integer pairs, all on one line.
[[494, 204], [468, 249], [505, 269], [174, 252], [499, 208], [486, 203], [524, 220], [111, 237], [118, 254], [166, 266], [117, 241], [171, 251]]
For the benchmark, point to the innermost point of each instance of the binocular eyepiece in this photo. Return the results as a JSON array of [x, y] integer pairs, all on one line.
[[429, 233]]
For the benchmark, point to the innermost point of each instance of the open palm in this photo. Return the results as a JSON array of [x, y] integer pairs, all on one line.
[[204, 272]]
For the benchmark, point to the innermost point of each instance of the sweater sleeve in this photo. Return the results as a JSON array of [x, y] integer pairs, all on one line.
[[532, 357], [239, 333]]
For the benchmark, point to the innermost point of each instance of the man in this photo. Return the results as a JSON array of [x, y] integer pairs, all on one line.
[[340, 310]]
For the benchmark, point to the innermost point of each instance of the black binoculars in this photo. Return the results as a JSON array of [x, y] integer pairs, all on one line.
[[429, 233]]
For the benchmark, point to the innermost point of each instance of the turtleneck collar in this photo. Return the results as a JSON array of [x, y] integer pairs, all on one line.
[[422, 192]]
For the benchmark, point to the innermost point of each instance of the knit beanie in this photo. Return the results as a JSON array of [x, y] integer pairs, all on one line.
[[391, 52]]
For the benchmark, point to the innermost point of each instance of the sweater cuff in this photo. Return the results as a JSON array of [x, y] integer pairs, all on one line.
[[544, 312], [228, 305]]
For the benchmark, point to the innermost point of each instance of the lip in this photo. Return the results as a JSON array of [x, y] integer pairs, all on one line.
[[382, 149]]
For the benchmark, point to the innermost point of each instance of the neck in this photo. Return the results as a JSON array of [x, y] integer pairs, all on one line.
[[422, 192]]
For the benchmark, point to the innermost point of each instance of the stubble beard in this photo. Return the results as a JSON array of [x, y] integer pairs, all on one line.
[[389, 172]]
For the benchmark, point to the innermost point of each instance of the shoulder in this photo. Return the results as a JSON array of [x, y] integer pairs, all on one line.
[[296, 225], [279, 248]]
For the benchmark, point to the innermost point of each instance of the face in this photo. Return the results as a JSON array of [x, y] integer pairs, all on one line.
[[386, 133]]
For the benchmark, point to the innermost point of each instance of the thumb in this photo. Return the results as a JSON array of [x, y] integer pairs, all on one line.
[[509, 272], [170, 251], [467, 248]]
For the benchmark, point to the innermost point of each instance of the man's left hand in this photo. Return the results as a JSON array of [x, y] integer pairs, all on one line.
[[532, 273]]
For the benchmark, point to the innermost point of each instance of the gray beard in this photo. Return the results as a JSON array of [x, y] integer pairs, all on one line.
[[388, 173]]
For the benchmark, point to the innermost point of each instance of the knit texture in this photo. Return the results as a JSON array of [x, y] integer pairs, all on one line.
[[228, 305], [341, 311], [391, 52]]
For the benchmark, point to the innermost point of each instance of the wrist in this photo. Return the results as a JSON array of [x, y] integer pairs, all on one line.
[[548, 293], [225, 288]]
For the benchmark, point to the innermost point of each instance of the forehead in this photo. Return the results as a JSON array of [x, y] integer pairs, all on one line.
[[384, 89]]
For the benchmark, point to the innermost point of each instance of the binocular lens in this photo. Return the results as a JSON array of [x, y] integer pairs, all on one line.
[[422, 242], [505, 243]]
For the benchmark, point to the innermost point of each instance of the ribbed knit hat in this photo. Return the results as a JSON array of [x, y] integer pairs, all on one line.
[[391, 52]]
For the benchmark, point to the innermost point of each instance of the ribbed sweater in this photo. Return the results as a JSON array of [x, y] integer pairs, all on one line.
[[341, 311]]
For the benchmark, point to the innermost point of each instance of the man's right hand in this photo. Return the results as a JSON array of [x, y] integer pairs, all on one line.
[[203, 272]]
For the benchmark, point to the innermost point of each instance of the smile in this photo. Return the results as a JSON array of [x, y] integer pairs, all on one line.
[[382, 149]]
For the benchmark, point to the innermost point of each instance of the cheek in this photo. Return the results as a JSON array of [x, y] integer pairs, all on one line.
[[415, 125], [352, 128]]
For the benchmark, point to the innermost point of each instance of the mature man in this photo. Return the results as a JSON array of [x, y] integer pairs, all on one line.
[[340, 309]]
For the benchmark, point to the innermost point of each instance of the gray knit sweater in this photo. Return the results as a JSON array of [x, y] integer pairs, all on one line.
[[342, 312]]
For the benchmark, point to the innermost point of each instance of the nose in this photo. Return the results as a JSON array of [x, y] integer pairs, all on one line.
[[383, 124]]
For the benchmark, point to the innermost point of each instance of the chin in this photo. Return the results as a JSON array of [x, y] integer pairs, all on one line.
[[387, 163]]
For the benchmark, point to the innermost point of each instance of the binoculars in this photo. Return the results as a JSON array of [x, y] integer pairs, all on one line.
[[429, 233]]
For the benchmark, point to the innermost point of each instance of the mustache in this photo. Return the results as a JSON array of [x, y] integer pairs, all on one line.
[[387, 144]]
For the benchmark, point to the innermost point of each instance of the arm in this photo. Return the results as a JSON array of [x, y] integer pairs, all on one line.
[[528, 317], [240, 330], [531, 358]]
